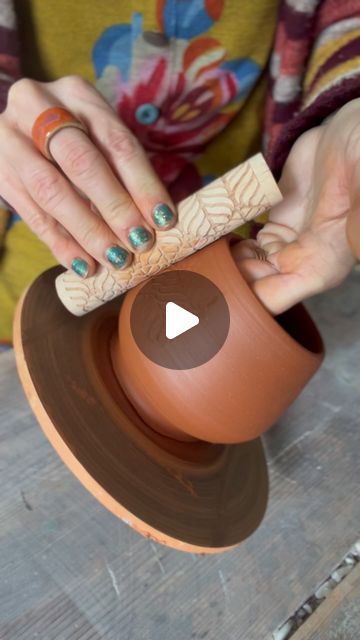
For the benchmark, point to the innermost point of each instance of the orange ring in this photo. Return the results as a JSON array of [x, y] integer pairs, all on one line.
[[50, 122]]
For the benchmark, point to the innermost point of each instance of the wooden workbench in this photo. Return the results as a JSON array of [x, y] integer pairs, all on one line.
[[71, 571]]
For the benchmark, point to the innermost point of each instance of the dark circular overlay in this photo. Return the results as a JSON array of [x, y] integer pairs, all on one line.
[[192, 292]]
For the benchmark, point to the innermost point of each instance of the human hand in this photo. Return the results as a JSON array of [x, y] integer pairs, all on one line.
[[312, 238], [109, 168]]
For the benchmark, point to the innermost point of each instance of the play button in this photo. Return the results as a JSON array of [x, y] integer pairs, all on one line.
[[179, 319]]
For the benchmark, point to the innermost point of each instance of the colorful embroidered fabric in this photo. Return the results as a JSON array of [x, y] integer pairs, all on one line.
[[191, 89]]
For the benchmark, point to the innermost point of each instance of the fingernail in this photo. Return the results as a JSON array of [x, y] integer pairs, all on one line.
[[163, 216], [139, 237], [80, 267], [117, 256]]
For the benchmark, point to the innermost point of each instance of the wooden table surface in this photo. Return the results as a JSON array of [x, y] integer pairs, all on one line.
[[71, 571], [338, 617]]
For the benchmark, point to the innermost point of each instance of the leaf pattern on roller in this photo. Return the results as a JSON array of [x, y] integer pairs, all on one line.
[[239, 196]]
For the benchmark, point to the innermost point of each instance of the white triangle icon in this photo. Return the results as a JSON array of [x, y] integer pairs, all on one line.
[[178, 320]]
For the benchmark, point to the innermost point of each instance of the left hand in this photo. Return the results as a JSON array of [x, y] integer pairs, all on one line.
[[312, 238]]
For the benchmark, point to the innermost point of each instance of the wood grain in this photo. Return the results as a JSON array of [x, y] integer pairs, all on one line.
[[72, 571], [218, 208]]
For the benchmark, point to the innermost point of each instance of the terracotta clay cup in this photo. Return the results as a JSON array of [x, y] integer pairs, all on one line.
[[243, 389]]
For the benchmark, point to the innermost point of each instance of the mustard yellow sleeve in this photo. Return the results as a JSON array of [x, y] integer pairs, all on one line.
[[23, 257]]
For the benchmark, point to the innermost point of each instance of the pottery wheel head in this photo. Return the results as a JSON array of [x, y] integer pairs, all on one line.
[[196, 496]]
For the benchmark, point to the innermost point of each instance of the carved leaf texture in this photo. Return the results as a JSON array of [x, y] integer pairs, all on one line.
[[203, 217]]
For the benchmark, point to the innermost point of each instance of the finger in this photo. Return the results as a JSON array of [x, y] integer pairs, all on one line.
[[277, 290], [251, 261], [82, 157], [55, 195], [149, 199], [65, 249], [253, 270], [79, 160], [126, 156], [282, 287], [247, 249], [273, 236], [87, 168], [280, 292], [131, 165]]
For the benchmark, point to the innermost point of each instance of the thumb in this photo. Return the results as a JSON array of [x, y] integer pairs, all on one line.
[[276, 289]]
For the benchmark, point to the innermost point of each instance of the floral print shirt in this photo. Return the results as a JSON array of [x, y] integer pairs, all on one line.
[[176, 71]]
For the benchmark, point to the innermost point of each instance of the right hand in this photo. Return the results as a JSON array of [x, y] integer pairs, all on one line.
[[109, 168], [312, 238]]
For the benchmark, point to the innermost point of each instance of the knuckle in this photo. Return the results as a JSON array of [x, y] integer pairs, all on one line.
[[92, 233], [60, 246], [19, 89], [38, 224], [122, 143], [116, 207], [46, 188], [80, 159], [75, 82]]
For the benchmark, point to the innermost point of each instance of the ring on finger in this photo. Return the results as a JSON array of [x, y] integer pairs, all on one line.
[[48, 123]]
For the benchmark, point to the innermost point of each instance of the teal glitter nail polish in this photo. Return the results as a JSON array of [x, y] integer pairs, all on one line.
[[80, 267], [162, 215], [139, 236], [117, 256]]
